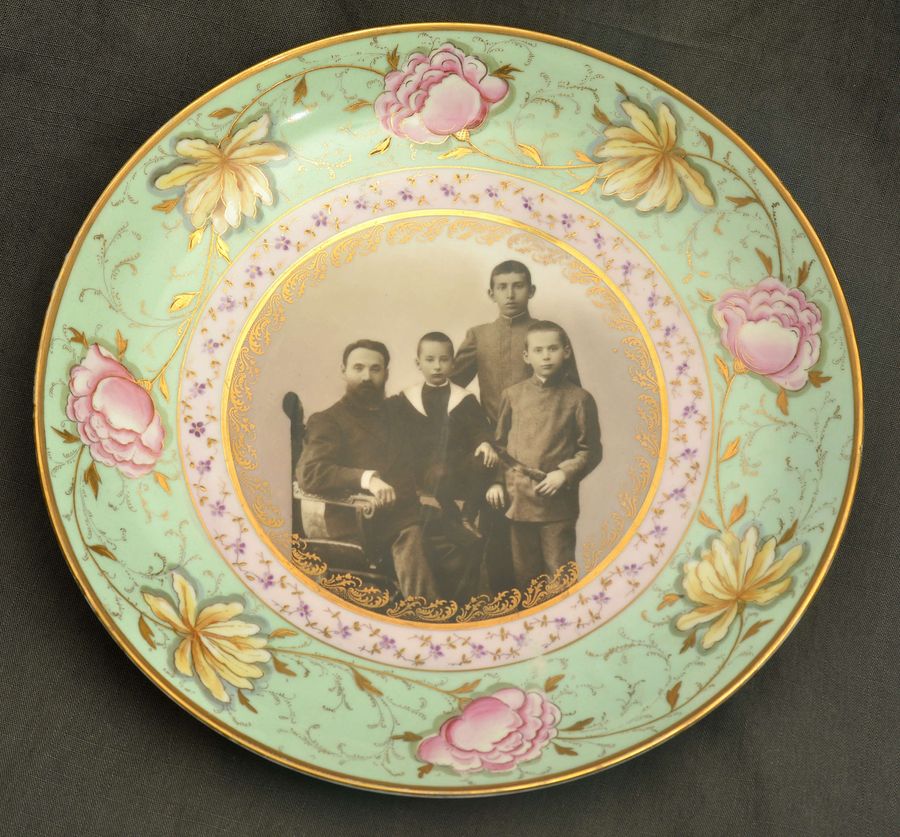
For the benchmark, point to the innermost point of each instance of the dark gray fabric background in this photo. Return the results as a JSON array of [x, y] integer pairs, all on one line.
[[809, 746]]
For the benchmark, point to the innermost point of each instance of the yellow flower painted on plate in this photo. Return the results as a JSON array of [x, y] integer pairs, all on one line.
[[643, 161], [224, 181], [730, 575], [215, 644]]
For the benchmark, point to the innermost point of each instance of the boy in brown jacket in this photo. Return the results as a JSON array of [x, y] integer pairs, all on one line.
[[549, 431]]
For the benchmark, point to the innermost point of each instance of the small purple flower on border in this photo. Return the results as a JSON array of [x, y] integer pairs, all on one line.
[[282, 243], [320, 218], [478, 650], [627, 267], [682, 368], [228, 303], [387, 642], [678, 493], [491, 191], [449, 190], [600, 598], [631, 570], [519, 638], [344, 631], [689, 411], [658, 531], [560, 621], [361, 203], [254, 271], [670, 330], [197, 389], [217, 509], [527, 203], [197, 428], [406, 194], [436, 650], [304, 610], [652, 300], [567, 220], [689, 453], [210, 345], [204, 466], [599, 241], [268, 580], [239, 547]]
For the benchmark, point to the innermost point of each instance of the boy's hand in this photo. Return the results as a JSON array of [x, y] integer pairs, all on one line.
[[488, 454], [384, 493], [496, 496], [548, 486]]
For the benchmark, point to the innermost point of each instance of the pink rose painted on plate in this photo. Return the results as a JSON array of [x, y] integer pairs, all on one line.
[[115, 415], [437, 95], [772, 329], [495, 733]]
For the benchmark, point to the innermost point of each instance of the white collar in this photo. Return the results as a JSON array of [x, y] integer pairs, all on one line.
[[413, 394]]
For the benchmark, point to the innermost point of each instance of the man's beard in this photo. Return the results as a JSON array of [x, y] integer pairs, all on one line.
[[366, 393]]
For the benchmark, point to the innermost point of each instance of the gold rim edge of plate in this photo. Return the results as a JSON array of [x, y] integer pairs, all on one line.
[[453, 791]]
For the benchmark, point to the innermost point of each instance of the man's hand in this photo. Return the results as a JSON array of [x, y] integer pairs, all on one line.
[[496, 496], [384, 494], [488, 454], [548, 486]]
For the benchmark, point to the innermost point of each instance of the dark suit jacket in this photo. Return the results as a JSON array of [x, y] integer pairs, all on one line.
[[493, 352], [347, 439]]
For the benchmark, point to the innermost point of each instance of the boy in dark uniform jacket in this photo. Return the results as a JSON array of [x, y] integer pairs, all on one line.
[[550, 432]]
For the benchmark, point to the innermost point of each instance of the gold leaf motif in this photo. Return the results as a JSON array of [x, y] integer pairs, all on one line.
[[583, 157], [766, 260], [92, 478], [552, 682], [163, 387], [530, 151], [545, 587], [705, 296], [242, 699], [782, 401], [668, 599], [300, 90], [803, 273], [221, 113], [564, 751], [791, 531], [723, 368], [622, 90], [816, 378], [600, 116], [705, 519], [357, 105], [166, 206], [467, 687], [145, 630], [281, 632], [78, 337], [424, 770], [281, 668], [732, 449], [738, 511], [121, 344], [381, 147], [578, 726], [755, 628], [100, 549], [68, 438], [744, 201], [689, 642], [406, 736], [180, 301], [222, 248], [455, 153], [672, 695], [365, 684], [351, 587], [584, 187], [708, 140], [506, 72], [393, 58], [195, 237], [163, 482]]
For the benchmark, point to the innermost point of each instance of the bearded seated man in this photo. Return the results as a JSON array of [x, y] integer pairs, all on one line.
[[356, 443]]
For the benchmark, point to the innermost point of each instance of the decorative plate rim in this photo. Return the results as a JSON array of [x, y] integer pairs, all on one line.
[[247, 741]]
